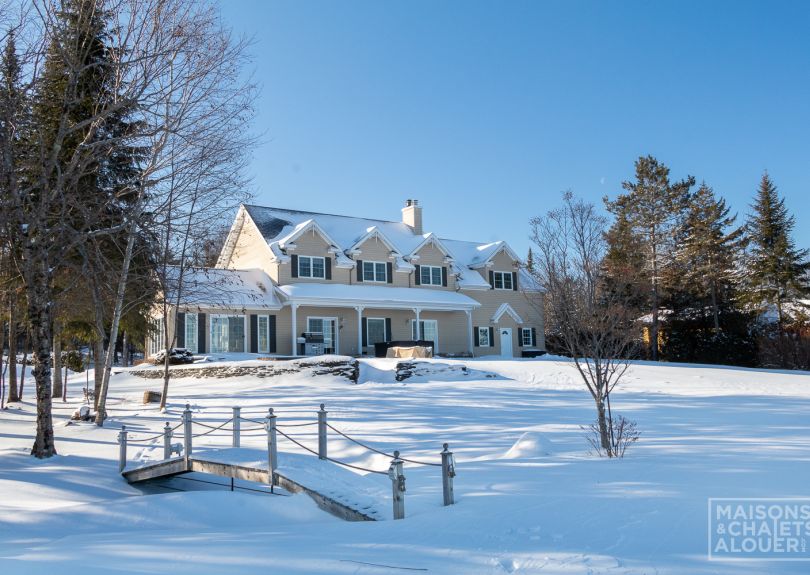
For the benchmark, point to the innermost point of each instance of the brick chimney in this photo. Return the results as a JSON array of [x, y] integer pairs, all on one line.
[[412, 216]]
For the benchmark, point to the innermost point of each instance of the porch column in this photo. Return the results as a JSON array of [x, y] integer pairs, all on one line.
[[359, 329], [418, 329], [469, 332], [294, 308]]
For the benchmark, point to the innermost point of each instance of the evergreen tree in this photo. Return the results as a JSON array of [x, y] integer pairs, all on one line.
[[708, 252], [776, 269], [530, 261], [651, 212]]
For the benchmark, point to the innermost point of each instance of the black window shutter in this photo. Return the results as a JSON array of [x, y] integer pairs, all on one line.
[[476, 338], [202, 333], [491, 279], [520, 337], [444, 276], [359, 270], [294, 266], [491, 337], [389, 272], [254, 333], [534, 337], [328, 265], [418, 279], [180, 329], [365, 332], [514, 281], [271, 327], [388, 329]]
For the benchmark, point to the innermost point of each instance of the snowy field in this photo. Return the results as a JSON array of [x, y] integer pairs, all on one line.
[[530, 498]]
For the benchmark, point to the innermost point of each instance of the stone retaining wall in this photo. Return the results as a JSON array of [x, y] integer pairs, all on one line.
[[350, 369]]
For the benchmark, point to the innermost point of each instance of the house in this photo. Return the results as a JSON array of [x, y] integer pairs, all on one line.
[[289, 282]]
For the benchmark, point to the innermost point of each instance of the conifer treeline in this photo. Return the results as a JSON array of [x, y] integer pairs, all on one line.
[[709, 288]]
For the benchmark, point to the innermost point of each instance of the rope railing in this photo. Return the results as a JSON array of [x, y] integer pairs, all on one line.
[[390, 455], [343, 463]]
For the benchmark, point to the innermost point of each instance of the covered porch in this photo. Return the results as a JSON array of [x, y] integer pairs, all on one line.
[[353, 318]]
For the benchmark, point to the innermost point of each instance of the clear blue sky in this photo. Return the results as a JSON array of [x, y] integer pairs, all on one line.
[[486, 111]]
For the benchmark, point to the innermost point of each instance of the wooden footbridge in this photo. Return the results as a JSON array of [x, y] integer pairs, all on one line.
[[305, 474]]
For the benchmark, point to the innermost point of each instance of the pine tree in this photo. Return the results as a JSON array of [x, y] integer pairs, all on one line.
[[708, 252], [651, 211], [530, 261], [775, 267]]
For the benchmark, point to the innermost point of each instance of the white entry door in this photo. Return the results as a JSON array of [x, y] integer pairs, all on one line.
[[506, 341]]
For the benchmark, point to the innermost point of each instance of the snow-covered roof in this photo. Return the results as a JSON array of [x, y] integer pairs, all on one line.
[[280, 226], [212, 287], [376, 296]]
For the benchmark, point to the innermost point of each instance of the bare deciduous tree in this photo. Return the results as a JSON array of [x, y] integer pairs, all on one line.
[[594, 326]]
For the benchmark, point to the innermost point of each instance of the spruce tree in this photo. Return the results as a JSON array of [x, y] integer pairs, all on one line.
[[530, 261], [775, 270], [708, 252], [652, 210]]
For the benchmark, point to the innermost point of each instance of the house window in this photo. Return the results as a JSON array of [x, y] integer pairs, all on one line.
[[191, 332], [374, 272], [227, 334], [483, 337], [375, 330], [311, 267], [156, 337], [502, 280], [428, 331], [430, 275], [526, 336], [263, 325], [326, 327]]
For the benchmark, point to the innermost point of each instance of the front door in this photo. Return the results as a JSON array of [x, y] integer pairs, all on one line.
[[506, 341]]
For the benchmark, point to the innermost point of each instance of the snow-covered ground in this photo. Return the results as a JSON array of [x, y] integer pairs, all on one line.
[[530, 498]]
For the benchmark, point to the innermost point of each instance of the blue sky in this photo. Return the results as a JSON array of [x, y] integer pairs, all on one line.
[[487, 111]]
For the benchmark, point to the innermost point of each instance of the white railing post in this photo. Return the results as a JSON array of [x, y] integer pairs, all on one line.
[[448, 473], [167, 442], [397, 486], [322, 432], [122, 448], [187, 433], [272, 447], [236, 426]]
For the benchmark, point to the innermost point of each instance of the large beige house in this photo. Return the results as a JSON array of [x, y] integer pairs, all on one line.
[[291, 282]]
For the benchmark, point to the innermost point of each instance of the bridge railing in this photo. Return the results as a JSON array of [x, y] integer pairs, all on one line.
[[273, 429]]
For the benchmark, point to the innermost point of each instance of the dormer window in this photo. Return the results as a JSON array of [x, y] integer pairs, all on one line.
[[502, 280], [311, 267], [430, 275], [375, 272]]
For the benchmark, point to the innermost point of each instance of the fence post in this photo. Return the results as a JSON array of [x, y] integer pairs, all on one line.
[[167, 441], [272, 447], [122, 448], [397, 486], [187, 434], [236, 426], [322, 433], [448, 473]]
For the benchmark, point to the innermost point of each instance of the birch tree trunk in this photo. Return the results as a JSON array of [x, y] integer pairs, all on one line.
[[57, 359]]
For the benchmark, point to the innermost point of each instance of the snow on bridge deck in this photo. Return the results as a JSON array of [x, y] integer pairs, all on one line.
[[338, 491]]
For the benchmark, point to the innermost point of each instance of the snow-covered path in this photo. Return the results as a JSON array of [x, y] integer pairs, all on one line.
[[530, 497]]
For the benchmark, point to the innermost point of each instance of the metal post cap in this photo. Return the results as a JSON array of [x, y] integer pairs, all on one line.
[[323, 407], [396, 455]]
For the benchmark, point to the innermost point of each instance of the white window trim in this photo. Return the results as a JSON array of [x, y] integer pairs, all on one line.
[[375, 280], [523, 332], [211, 331], [259, 332], [431, 268], [311, 267], [503, 282], [484, 329], [382, 319], [335, 333], [155, 344], [196, 331]]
